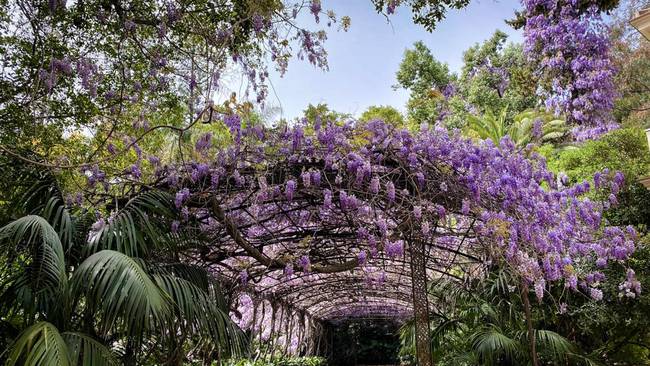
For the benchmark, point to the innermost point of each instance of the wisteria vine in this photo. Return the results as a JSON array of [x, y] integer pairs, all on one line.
[[570, 46]]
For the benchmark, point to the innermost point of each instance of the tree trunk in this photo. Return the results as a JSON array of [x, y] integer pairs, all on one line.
[[420, 304], [529, 325]]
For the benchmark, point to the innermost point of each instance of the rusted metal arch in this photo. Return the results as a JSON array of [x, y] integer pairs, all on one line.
[[310, 302], [404, 304], [386, 262], [302, 292]]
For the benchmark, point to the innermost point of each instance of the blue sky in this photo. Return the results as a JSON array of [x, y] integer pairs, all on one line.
[[363, 61]]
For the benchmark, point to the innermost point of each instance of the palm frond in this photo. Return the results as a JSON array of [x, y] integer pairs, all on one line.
[[133, 230], [44, 198], [491, 343], [199, 277], [43, 187], [407, 338], [520, 129], [122, 291], [32, 243], [196, 275], [489, 126], [553, 344], [39, 345], [440, 332], [479, 127], [201, 314], [87, 351], [500, 285], [58, 216]]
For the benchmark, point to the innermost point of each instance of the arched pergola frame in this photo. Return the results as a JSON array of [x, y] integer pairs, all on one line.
[[321, 219]]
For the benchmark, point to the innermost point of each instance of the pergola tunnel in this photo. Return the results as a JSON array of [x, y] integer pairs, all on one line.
[[312, 234], [310, 312], [343, 317], [364, 340]]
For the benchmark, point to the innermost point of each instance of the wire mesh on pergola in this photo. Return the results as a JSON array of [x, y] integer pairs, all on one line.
[[347, 220]]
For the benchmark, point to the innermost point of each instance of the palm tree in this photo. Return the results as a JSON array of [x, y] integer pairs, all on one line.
[[525, 128], [75, 291]]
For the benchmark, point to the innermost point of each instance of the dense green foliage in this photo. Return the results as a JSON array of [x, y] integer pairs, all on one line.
[[526, 127], [38, 108], [625, 150], [425, 78], [322, 114], [495, 77], [72, 288], [483, 322]]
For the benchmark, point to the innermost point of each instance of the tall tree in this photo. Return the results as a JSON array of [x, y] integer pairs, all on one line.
[[387, 114], [495, 76], [425, 78]]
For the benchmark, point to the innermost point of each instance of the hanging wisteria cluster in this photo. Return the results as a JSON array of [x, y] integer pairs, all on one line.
[[570, 46]]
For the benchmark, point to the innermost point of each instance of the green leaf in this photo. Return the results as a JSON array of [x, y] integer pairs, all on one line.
[[39, 345], [201, 313], [491, 343], [122, 291], [36, 243], [87, 351], [553, 344], [134, 230], [56, 213]]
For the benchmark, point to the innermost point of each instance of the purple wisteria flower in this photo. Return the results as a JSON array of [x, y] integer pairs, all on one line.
[[243, 277], [306, 179], [304, 263], [361, 257], [631, 287], [203, 143], [290, 189], [302, 185], [390, 191], [395, 249], [288, 270], [315, 8], [181, 196]]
